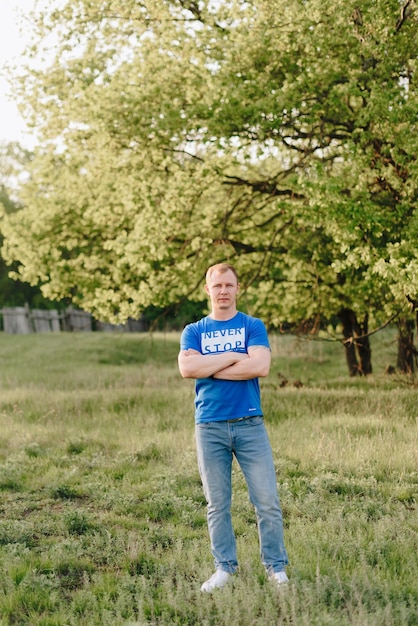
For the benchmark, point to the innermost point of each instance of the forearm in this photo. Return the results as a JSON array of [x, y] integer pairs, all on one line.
[[244, 370], [195, 365], [256, 366]]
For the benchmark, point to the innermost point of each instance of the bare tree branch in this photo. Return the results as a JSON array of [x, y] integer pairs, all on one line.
[[406, 11], [351, 340]]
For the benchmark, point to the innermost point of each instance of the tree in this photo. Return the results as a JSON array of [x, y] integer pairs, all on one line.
[[175, 134], [13, 160]]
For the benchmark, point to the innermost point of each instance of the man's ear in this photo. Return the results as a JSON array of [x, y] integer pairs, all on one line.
[[206, 289]]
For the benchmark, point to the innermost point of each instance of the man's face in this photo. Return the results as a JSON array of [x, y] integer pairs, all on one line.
[[222, 288]]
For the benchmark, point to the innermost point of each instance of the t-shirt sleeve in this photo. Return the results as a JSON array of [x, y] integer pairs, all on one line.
[[257, 335], [190, 338]]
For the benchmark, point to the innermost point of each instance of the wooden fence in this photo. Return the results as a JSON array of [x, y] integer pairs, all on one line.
[[23, 320]]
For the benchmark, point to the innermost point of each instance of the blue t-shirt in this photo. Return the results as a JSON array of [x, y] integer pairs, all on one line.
[[218, 400]]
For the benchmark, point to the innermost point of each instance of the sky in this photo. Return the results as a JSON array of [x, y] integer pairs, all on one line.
[[12, 43]]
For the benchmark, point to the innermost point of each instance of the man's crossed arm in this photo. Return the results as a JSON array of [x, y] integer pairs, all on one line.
[[225, 365]]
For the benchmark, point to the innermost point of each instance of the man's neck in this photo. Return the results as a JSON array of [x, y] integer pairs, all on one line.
[[222, 316]]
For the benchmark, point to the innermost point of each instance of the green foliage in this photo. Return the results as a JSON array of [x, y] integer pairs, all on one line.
[[107, 526], [277, 134], [13, 160]]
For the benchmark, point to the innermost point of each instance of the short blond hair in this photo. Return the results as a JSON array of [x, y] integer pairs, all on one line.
[[222, 268]]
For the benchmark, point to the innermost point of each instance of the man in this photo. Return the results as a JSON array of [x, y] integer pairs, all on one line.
[[226, 352]]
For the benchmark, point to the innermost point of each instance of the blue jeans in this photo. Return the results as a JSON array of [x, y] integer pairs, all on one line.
[[247, 440]]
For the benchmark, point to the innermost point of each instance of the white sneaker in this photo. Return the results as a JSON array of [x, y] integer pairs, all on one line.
[[280, 578], [219, 579]]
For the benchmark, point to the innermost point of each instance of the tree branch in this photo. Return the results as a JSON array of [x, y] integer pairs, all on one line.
[[406, 11], [351, 340], [267, 187]]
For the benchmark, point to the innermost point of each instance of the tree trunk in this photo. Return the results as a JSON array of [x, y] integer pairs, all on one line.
[[356, 343], [406, 349], [346, 317], [364, 348]]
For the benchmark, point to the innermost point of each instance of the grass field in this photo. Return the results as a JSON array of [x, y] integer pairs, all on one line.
[[102, 516]]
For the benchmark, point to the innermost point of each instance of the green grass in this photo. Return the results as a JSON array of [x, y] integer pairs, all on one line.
[[102, 516]]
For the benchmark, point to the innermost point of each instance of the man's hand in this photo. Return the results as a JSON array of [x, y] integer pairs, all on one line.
[[190, 352]]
